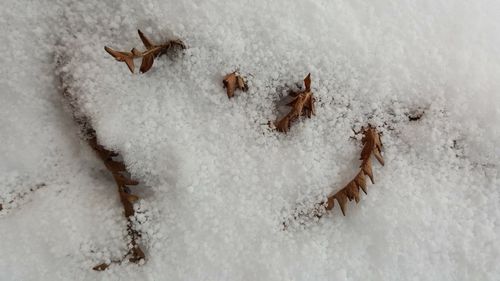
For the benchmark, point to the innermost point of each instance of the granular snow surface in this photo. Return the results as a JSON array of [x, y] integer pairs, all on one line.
[[216, 182]]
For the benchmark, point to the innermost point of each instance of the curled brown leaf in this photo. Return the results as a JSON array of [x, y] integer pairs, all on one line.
[[372, 145], [302, 104], [233, 81], [127, 57]]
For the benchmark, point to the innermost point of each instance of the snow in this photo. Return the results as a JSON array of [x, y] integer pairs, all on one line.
[[217, 183]]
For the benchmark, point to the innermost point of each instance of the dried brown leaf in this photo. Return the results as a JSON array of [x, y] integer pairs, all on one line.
[[147, 43], [283, 125], [307, 82], [123, 180], [352, 191], [126, 57], [136, 255], [371, 145], [101, 267], [367, 169], [177, 43], [147, 63], [302, 104], [342, 200], [330, 203], [148, 56], [132, 198], [117, 169], [115, 166], [119, 172], [378, 156], [361, 181], [233, 81]]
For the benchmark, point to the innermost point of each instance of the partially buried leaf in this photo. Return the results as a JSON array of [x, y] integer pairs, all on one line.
[[302, 104], [132, 198], [371, 145], [307, 82], [283, 125], [123, 180], [115, 166], [126, 57], [147, 62], [148, 56], [147, 43], [233, 81], [137, 254]]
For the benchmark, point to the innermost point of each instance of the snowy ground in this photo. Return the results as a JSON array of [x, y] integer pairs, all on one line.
[[217, 183]]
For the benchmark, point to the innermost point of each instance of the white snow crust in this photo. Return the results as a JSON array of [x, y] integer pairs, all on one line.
[[217, 184]]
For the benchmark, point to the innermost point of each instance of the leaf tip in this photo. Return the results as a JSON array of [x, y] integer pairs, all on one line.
[[307, 82]]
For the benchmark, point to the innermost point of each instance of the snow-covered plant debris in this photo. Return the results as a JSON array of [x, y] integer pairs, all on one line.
[[218, 182]]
